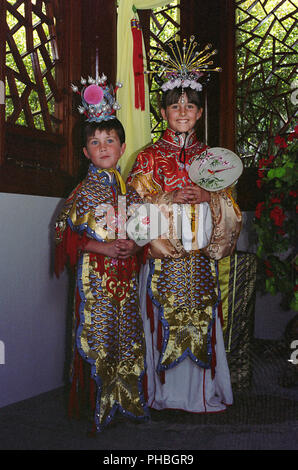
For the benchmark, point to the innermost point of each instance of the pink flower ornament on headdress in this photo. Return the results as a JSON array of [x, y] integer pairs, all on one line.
[[93, 94], [98, 99]]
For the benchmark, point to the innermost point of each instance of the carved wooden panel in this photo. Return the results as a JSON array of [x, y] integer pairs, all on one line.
[[37, 148], [164, 24], [32, 55], [41, 54]]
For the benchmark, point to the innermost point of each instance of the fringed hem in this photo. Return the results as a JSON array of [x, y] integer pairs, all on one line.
[[68, 249]]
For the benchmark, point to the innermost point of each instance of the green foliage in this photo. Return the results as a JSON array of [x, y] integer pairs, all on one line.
[[275, 222]]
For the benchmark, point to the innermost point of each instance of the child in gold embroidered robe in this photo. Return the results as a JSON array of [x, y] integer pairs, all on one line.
[[108, 334], [186, 361]]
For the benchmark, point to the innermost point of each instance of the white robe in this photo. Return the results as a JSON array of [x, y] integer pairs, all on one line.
[[187, 387]]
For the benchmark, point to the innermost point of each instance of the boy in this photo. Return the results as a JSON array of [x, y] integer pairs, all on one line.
[[108, 332]]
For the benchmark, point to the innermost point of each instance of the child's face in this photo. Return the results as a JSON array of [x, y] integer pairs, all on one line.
[[104, 149], [182, 116]]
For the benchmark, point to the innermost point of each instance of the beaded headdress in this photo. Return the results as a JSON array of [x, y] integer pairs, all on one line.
[[181, 65], [98, 99]]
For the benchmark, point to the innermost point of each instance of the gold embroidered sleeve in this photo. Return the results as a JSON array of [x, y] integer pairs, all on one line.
[[227, 220], [145, 186], [88, 220], [151, 192], [61, 221]]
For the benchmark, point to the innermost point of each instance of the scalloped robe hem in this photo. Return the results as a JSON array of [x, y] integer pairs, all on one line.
[[187, 386]]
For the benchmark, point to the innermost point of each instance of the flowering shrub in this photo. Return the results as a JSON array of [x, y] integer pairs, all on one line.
[[275, 221]]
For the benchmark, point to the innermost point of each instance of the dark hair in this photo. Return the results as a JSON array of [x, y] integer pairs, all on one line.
[[112, 124], [172, 96]]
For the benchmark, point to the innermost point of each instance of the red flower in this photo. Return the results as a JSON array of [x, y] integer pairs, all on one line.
[[261, 173], [281, 232], [262, 162], [293, 193], [274, 200], [269, 273], [259, 209], [293, 134], [278, 216], [259, 183], [280, 141]]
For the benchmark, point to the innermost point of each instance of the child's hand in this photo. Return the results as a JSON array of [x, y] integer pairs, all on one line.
[[191, 195], [196, 195], [127, 248], [119, 248], [111, 249]]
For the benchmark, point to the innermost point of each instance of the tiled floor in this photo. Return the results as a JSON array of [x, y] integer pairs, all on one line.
[[263, 418]]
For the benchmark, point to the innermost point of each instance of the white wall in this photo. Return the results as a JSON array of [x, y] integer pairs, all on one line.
[[33, 303]]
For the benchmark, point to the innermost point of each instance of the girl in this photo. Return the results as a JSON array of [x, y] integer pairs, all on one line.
[[186, 362]]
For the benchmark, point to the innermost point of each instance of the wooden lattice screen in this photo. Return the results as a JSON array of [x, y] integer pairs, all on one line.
[[164, 24], [36, 143], [36, 130], [266, 39], [31, 58]]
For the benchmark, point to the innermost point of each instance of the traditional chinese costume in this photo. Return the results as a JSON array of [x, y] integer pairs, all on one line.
[[186, 362], [108, 330]]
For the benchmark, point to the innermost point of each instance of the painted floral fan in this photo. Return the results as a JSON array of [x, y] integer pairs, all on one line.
[[215, 169]]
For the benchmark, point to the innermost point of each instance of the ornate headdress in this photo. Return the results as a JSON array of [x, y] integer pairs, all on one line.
[[98, 99], [180, 65]]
